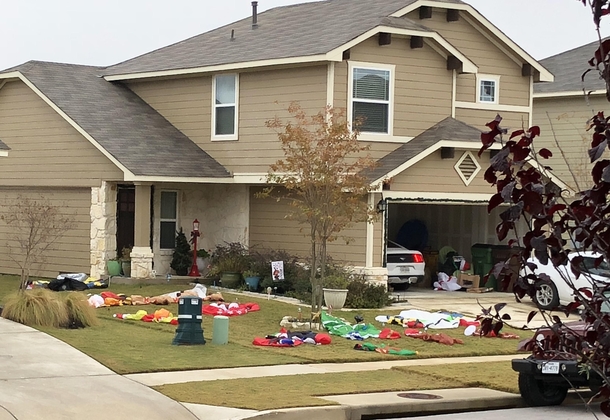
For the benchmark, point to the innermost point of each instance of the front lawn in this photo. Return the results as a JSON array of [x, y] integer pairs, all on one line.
[[135, 346], [271, 393]]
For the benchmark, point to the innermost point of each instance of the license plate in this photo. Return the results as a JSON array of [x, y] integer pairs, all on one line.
[[551, 368], [404, 269]]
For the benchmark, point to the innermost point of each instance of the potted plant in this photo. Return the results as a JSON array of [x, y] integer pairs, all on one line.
[[230, 261], [113, 266], [335, 290], [182, 257], [252, 277], [126, 261]]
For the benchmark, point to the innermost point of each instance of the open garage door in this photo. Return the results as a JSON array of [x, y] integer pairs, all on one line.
[[457, 225]]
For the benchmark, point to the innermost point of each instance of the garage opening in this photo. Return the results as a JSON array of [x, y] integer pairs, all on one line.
[[431, 226]]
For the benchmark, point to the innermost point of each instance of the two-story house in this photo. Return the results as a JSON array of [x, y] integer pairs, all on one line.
[[139, 149]]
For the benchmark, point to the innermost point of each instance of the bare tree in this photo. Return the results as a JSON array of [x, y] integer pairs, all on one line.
[[34, 225]]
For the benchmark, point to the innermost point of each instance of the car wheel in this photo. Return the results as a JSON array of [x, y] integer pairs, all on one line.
[[547, 297], [538, 393]]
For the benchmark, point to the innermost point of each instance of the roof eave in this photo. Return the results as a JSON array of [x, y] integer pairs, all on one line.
[[543, 76], [568, 94]]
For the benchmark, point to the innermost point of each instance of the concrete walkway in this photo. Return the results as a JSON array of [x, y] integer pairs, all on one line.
[[44, 378]]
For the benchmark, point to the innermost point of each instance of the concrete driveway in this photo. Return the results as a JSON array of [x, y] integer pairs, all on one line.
[[471, 304]]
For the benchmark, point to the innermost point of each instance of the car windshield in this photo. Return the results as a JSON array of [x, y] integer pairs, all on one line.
[[588, 265]]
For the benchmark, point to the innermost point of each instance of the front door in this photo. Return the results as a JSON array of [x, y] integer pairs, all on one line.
[[126, 208]]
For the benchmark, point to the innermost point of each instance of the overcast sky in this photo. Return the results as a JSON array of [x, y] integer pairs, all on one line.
[[105, 32]]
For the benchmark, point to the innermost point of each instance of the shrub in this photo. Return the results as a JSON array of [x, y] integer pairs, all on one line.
[[296, 277], [182, 258], [38, 307], [363, 295], [80, 313], [232, 257]]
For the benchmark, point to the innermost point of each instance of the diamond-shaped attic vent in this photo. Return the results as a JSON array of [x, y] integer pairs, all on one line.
[[467, 167]]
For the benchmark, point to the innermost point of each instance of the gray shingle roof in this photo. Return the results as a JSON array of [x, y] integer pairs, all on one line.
[[289, 31], [447, 129], [568, 68], [122, 123], [3, 146]]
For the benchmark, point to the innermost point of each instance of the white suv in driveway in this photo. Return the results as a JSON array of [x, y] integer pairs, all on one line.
[[404, 266]]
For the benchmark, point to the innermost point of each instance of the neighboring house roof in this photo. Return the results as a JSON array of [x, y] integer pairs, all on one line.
[[125, 126], [300, 30], [568, 68], [447, 129]]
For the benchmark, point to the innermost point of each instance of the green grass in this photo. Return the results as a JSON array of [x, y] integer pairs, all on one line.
[[285, 391], [134, 346]]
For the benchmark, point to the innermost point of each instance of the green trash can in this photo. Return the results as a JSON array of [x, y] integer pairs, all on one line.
[[482, 260], [189, 329]]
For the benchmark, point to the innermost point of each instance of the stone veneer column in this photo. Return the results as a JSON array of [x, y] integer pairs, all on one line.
[[103, 227], [141, 254], [374, 275]]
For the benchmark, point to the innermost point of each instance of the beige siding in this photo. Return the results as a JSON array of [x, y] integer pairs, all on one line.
[[478, 118], [71, 252], [514, 88], [417, 178], [270, 228], [45, 149], [263, 95], [563, 120], [422, 90]]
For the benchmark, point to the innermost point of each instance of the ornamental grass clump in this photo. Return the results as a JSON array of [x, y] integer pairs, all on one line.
[[80, 313], [38, 307]]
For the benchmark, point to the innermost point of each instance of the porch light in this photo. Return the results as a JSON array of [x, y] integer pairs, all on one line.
[[382, 206]]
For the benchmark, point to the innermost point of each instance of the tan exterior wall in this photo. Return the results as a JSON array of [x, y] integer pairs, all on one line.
[[263, 95], [270, 228], [418, 177], [45, 149], [423, 85], [71, 253], [478, 118], [563, 120], [462, 34]]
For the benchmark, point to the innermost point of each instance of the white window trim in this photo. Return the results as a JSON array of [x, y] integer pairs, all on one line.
[[168, 220], [365, 135], [234, 136], [459, 172], [488, 78]]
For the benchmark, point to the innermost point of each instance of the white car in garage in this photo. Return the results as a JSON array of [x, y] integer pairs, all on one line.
[[405, 266], [558, 292]]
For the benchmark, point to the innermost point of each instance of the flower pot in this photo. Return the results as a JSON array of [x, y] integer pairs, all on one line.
[[126, 266], [335, 298], [114, 268], [230, 280], [252, 283]]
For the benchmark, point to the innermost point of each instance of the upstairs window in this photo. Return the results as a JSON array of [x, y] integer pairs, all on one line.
[[224, 115], [168, 228], [371, 96], [487, 89]]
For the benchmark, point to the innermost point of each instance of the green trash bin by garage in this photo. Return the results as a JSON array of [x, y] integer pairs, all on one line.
[[189, 329], [482, 260]]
